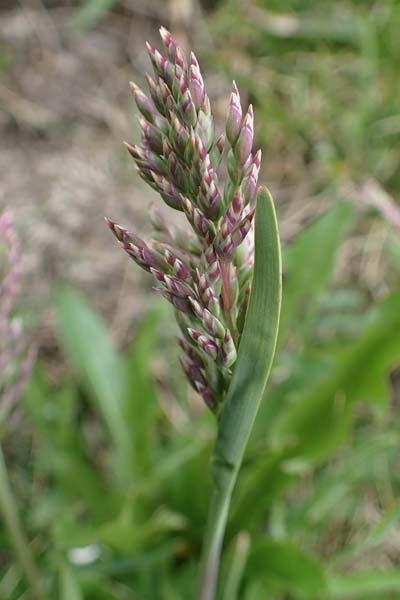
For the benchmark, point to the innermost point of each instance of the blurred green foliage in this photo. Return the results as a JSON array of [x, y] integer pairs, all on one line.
[[120, 487], [114, 485], [324, 79]]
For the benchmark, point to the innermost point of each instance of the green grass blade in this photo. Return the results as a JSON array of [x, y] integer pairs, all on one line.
[[258, 342], [365, 584], [308, 271], [141, 403], [69, 587], [361, 367], [87, 343], [285, 568], [237, 566], [255, 356]]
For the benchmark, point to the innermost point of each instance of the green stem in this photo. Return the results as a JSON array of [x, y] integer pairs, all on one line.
[[17, 536], [237, 566], [255, 356], [218, 514], [234, 433]]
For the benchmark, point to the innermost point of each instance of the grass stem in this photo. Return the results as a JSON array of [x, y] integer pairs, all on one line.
[[17, 535], [217, 517]]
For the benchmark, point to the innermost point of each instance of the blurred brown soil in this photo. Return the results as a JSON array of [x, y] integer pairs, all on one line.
[[65, 110]]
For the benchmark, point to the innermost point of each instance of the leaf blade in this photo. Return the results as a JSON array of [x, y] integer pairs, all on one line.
[[257, 347], [85, 339]]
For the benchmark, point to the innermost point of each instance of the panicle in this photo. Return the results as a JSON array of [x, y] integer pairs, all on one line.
[[204, 271]]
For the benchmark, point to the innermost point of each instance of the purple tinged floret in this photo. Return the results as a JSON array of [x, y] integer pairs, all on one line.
[[188, 108], [206, 394], [169, 43], [240, 232], [230, 238], [193, 372], [196, 83], [173, 284], [181, 136], [234, 118], [155, 94], [144, 104], [152, 136], [211, 324], [181, 304], [162, 67], [169, 192], [204, 342], [249, 183], [191, 352], [228, 350], [201, 225], [244, 142], [180, 270]]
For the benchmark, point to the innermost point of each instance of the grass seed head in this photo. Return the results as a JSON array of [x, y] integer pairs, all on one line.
[[201, 271]]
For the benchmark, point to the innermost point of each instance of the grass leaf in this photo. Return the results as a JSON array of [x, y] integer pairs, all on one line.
[[258, 342], [284, 567], [86, 342], [367, 584], [69, 587], [317, 419], [309, 261]]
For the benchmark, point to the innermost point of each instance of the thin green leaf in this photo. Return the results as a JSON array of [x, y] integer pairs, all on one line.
[[258, 342], [318, 419], [69, 587], [285, 568], [61, 452], [87, 343], [366, 584], [236, 567], [141, 402], [309, 261]]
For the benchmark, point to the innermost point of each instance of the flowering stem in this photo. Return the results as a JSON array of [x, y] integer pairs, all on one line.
[[255, 356], [17, 535]]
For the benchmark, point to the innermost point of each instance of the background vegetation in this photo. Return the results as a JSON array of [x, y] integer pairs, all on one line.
[[108, 451]]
